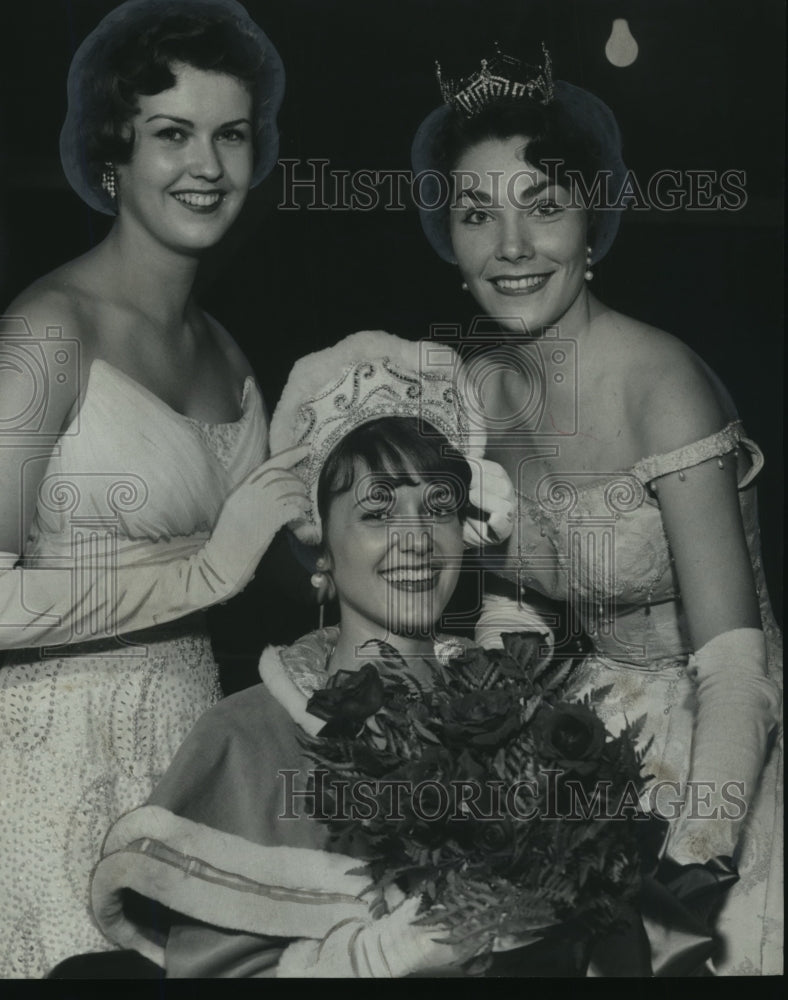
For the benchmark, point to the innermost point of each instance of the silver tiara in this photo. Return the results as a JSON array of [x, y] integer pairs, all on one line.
[[500, 77]]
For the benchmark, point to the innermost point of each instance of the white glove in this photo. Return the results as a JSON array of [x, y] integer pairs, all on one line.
[[157, 583], [387, 948], [505, 614], [738, 706], [491, 492]]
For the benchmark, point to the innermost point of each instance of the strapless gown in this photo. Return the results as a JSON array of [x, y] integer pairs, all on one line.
[[601, 547], [87, 731]]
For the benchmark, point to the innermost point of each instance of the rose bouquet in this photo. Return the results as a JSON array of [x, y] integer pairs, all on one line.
[[477, 784]]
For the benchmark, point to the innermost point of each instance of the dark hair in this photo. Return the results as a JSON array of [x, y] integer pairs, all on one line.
[[556, 143], [399, 448], [141, 64]]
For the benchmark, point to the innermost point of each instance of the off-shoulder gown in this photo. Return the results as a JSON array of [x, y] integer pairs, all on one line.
[[601, 546]]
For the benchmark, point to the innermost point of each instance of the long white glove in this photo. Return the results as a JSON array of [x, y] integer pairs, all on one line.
[[505, 614], [738, 706], [491, 492], [50, 606], [387, 948]]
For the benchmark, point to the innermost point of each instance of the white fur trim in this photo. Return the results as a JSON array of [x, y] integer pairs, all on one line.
[[273, 675], [220, 879]]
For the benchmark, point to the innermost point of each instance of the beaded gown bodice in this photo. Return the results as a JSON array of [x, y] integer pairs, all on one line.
[[602, 547]]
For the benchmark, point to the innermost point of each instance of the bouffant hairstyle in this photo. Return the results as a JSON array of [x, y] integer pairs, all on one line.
[[573, 138], [556, 145], [142, 64]]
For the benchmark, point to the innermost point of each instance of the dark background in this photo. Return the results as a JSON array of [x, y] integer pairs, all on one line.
[[705, 93]]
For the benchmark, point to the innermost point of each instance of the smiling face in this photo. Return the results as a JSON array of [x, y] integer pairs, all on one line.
[[520, 245], [393, 544], [191, 165]]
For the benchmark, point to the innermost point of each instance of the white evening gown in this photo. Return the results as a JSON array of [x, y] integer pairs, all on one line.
[[86, 731]]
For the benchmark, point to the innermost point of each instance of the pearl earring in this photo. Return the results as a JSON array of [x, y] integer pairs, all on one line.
[[109, 180], [325, 591], [320, 583], [589, 273], [464, 286]]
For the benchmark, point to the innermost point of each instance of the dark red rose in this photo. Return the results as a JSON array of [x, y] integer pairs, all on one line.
[[484, 719], [482, 825], [347, 701], [495, 841], [425, 799], [570, 736]]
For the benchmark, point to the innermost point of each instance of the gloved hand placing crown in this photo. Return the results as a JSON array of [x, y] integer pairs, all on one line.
[[492, 494], [501, 613], [50, 606]]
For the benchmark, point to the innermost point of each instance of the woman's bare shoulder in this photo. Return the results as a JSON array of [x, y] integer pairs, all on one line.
[[672, 396], [638, 340], [60, 300], [48, 330]]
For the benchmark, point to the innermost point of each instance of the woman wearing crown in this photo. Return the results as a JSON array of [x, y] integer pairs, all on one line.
[[240, 863], [634, 479], [137, 499]]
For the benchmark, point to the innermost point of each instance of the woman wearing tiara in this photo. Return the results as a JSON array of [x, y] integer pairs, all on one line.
[[133, 493], [634, 479], [248, 885]]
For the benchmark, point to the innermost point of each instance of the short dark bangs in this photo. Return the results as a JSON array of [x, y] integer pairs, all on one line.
[[399, 450]]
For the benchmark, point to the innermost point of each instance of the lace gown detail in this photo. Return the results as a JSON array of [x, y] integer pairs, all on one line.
[[602, 547], [84, 737]]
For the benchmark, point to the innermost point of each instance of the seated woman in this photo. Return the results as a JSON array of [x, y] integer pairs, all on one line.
[[226, 842]]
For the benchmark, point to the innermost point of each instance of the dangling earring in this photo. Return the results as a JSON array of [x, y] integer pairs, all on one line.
[[589, 273], [109, 180], [324, 591], [464, 286], [318, 581]]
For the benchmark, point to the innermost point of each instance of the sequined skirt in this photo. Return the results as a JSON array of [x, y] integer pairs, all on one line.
[[83, 739]]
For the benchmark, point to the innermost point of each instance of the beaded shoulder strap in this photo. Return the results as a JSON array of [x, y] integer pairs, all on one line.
[[721, 443]]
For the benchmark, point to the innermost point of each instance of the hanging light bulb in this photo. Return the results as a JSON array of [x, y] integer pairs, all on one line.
[[621, 48]]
